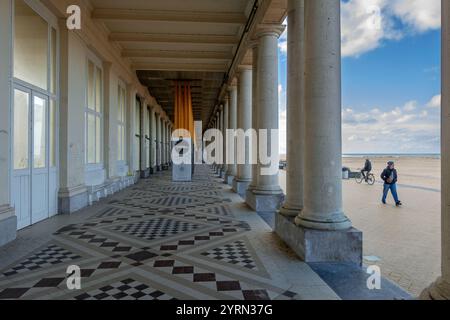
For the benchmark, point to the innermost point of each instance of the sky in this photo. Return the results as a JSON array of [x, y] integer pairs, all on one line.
[[390, 77]]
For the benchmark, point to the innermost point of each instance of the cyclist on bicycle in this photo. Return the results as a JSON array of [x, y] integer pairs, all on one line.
[[367, 169]]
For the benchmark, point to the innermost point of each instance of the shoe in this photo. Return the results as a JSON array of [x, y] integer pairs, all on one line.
[[399, 204]]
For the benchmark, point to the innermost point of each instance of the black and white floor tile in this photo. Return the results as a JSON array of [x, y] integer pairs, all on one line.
[[158, 240]]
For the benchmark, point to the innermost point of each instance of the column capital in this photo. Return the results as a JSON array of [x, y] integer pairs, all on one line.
[[244, 67], [253, 44], [270, 30]]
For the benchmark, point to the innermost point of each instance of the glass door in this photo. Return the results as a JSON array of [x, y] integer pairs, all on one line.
[[30, 178], [40, 168]]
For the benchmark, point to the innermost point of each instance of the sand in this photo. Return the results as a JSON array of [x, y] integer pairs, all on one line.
[[405, 242]]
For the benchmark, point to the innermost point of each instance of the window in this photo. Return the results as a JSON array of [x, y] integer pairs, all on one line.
[[21, 126], [94, 115], [121, 114], [31, 46]]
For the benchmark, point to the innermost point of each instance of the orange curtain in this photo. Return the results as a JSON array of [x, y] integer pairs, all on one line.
[[184, 116]]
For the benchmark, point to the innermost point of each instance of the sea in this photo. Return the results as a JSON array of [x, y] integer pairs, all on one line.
[[392, 155]]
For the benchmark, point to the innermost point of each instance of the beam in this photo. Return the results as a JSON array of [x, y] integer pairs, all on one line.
[[170, 16], [173, 38], [181, 67], [210, 55]]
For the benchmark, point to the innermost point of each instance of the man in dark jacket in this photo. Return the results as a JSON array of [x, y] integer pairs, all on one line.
[[367, 169], [390, 177]]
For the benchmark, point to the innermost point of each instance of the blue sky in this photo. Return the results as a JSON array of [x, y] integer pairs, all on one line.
[[390, 76]]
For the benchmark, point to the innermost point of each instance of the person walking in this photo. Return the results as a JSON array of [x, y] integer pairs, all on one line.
[[390, 177]]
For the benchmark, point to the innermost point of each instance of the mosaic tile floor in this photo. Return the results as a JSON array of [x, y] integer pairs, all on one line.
[[161, 240]]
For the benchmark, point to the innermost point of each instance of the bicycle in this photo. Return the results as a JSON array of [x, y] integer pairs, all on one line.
[[370, 178]]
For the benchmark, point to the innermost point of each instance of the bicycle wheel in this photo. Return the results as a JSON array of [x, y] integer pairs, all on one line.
[[371, 180], [359, 178]]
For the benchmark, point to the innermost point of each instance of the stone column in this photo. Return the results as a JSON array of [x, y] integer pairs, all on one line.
[[321, 232], [8, 219], [267, 196], [226, 121], [158, 142], [255, 169], [222, 149], [323, 208], [232, 168], [244, 173], [73, 194], [163, 144], [440, 290], [295, 109], [153, 140], [145, 173]]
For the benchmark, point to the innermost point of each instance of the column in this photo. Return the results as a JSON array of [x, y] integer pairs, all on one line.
[[225, 128], [321, 232], [163, 144], [158, 142], [295, 109], [222, 147], [323, 208], [267, 196], [73, 194], [232, 167], [153, 168], [8, 219], [170, 144], [144, 172], [255, 169], [440, 290], [244, 170], [219, 146]]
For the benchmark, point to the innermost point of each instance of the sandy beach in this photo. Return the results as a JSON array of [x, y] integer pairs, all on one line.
[[404, 242]]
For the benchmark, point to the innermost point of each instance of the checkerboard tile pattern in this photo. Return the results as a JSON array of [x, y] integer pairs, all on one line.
[[157, 228], [156, 241], [48, 257], [127, 289], [235, 253]]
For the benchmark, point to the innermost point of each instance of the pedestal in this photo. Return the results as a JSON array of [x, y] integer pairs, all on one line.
[[320, 246], [264, 202]]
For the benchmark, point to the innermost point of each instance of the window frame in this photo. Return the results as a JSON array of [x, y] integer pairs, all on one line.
[[98, 115]]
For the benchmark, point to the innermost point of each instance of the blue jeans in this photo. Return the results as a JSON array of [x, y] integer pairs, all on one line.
[[393, 188]]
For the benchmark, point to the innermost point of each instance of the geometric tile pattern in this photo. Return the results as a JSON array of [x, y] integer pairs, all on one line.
[[127, 289], [158, 240], [235, 253], [50, 256], [157, 228]]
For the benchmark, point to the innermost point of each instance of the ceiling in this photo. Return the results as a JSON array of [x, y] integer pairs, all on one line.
[[168, 40]]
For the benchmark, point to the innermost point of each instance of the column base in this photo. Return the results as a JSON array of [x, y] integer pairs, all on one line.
[[229, 179], [152, 170], [264, 202], [440, 290], [145, 174], [320, 246], [72, 200], [158, 168], [8, 225], [165, 167], [290, 212], [241, 187]]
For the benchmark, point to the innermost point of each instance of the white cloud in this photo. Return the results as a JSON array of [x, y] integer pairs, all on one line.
[[411, 128], [366, 24], [410, 106], [421, 15], [435, 102]]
